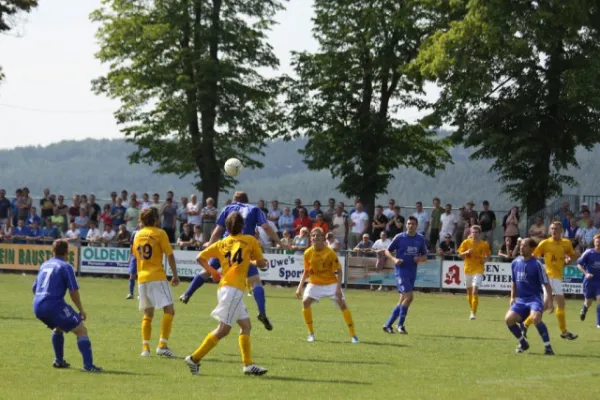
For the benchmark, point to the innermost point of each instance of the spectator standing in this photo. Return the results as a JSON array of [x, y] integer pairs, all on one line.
[[423, 219], [563, 213], [581, 214], [155, 201], [380, 221], [94, 209], [5, 209], [286, 222], [447, 247], [113, 199], [538, 231], [171, 195], [389, 212], [46, 206], [461, 223], [74, 208], [131, 216], [571, 232], [340, 226], [168, 213], [194, 210], [261, 206], [487, 221], [434, 232], [330, 212], [508, 251], [583, 220], [63, 210], [299, 206], [586, 235], [315, 211], [396, 224], [359, 225], [275, 212], [182, 216], [596, 215], [320, 223], [133, 201], [84, 205], [117, 213], [448, 222], [303, 221], [146, 202], [15, 206], [332, 242], [24, 204], [124, 199], [33, 218], [209, 217], [510, 224], [106, 216], [469, 213], [82, 223]]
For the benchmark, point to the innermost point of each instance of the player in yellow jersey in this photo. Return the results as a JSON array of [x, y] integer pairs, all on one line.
[[149, 246], [320, 266], [555, 250], [474, 251], [236, 253]]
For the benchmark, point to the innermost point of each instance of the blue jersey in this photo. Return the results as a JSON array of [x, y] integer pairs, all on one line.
[[590, 261], [132, 237], [406, 248], [253, 217], [53, 280], [529, 276]]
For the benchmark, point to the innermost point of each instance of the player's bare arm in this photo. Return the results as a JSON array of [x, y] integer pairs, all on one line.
[[584, 272], [513, 293], [301, 284], [76, 299], [173, 266], [273, 236], [548, 304], [216, 235], [208, 268], [397, 261]]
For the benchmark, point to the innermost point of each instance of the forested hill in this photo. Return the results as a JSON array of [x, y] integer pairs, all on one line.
[[100, 166]]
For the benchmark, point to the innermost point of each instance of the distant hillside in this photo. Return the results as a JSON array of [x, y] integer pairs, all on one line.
[[100, 166]]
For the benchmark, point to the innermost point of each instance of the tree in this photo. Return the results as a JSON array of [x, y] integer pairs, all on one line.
[[9, 9], [521, 84], [185, 72], [349, 93]]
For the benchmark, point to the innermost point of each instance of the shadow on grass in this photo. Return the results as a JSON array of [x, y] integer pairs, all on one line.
[[311, 360], [8, 317], [370, 343], [570, 355], [297, 379], [464, 337], [115, 372]]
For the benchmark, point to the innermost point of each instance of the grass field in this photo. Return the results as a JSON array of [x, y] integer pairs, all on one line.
[[444, 356]]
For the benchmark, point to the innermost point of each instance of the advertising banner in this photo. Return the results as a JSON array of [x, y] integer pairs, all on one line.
[[572, 280], [187, 267], [105, 260], [497, 276], [29, 257], [428, 276]]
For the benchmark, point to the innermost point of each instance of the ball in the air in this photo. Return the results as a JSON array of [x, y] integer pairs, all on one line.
[[233, 167]]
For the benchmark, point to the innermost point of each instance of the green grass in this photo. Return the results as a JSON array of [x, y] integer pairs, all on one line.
[[444, 356]]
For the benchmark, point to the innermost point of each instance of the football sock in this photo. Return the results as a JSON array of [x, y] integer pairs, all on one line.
[[598, 314], [165, 329], [207, 345], [402, 317], [245, 349], [475, 303], [584, 308], [131, 286], [85, 347], [470, 300], [562, 319], [308, 319], [393, 316], [543, 330], [146, 329], [516, 331], [528, 322], [196, 284], [259, 297], [58, 343], [348, 319]]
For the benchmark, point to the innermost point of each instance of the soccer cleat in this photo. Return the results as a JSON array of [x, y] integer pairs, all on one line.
[[598, 326], [192, 365], [60, 364], [249, 294], [355, 339], [145, 353], [263, 318], [129, 297], [548, 351], [402, 330], [388, 329], [254, 370], [568, 336], [524, 331], [310, 338], [521, 348], [472, 317], [184, 299], [582, 314], [165, 352], [92, 368]]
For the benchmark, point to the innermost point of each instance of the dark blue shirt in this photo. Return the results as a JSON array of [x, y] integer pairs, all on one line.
[[590, 261], [529, 277], [253, 217], [53, 280], [118, 220], [406, 248], [33, 219], [53, 232], [21, 232]]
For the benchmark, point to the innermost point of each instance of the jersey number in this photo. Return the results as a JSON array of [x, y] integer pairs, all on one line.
[[145, 251], [44, 280], [237, 257]]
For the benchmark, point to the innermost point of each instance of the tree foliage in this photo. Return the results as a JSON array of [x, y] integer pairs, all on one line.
[[348, 95], [9, 9], [521, 83], [186, 73]]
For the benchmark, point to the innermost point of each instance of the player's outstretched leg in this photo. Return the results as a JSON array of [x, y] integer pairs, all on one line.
[[196, 284], [85, 348], [387, 327], [308, 318], [166, 324], [348, 319], [511, 320], [249, 367], [258, 291], [209, 343], [58, 344], [562, 318]]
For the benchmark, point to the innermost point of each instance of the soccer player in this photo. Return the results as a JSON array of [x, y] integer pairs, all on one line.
[[529, 281], [554, 250], [132, 266], [149, 246], [474, 251], [320, 267], [236, 253], [253, 218], [55, 277], [589, 264], [407, 250]]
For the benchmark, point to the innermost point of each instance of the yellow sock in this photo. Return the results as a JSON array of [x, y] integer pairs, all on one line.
[[475, 303], [165, 329], [210, 341], [528, 321], [470, 300], [348, 319], [562, 320], [146, 332], [307, 314], [246, 349]]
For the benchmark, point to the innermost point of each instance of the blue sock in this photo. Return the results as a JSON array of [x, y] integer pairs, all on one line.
[[393, 316], [58, 342], [85, 347], [196, 284], [402, 318], [598, 314], [131, 286], [543, 330], [259, 296], [516, 331]]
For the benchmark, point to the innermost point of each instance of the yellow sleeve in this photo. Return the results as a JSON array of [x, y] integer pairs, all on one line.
[[134, 247], [211, 251], [538, 252], [257, 253], [569, 249], [307, 260], [463, 246], [335, 261], [164, 243]]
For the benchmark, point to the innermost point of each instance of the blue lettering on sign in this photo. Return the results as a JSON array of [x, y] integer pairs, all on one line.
[[287, 274], [279, 263]]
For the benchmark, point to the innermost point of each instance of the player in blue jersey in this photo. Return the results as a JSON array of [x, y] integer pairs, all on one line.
[[407, 250], [589, 264], [529, 284], [55, 277], [132, 265], [253, 218]]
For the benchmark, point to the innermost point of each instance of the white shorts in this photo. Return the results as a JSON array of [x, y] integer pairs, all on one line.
[[155, 294], [473, 280], [317, 292], [231, 307], [557, 287]]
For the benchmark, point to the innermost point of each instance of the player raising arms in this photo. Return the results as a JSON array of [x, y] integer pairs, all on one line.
[[320, 266], [149, 246], [410, 250], [474, 251], [554, 250], [589, 264], [528, 279], [55, 277], [253, 218], [235, 253]]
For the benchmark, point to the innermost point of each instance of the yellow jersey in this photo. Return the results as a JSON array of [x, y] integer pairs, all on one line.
[[149, 246], [234, 254], [554, 252], [474, 262], [321, 265]]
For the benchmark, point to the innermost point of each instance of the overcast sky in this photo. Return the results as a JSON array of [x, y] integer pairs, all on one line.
[[49, 63]]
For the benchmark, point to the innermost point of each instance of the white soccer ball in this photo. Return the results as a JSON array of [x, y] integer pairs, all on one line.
[[233, 167]]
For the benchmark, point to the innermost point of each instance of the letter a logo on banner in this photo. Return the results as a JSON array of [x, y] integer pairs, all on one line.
[[453, 275]]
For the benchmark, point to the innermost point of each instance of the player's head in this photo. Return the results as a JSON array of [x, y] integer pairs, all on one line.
[[234, 223], [476, 232], [241, 197], [60, 248], [149, 217], [556, 229], [317, 237], [597, 242], [527, 247], [411, 225]]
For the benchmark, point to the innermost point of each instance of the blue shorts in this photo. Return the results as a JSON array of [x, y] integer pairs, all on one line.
[[252, 271], [405, 283], [591, 289], [524, 308], [132, 266], [214, 262], [58, 315]]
